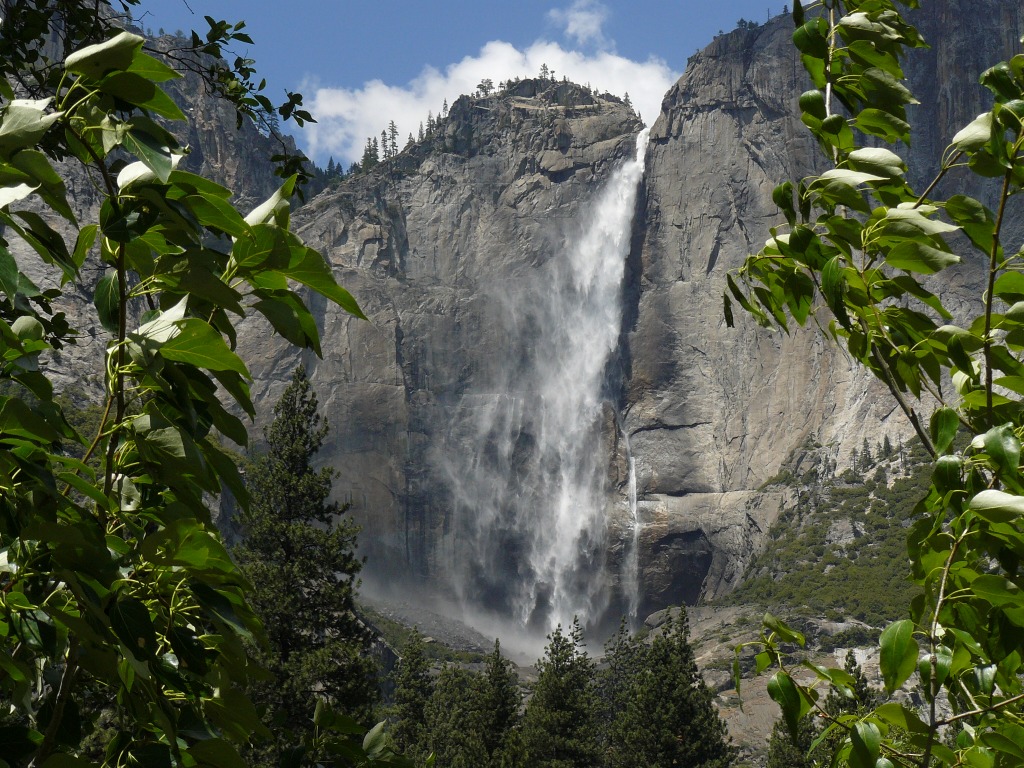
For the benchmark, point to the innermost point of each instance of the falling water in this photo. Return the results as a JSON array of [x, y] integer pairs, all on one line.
[[530, 487]]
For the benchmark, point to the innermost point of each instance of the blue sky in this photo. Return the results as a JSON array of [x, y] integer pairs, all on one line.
[[361, 64]]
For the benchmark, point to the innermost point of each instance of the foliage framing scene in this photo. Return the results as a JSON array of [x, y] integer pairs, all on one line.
[[140, 624]]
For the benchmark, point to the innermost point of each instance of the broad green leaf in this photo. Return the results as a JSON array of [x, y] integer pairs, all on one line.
[[901, 717], [24, 123], [94, 61], [912, 221], [944, 425], [998, 590], [275, 208], [866, 739], [975, 134], [137, 90], [850, 177], [199, 344], [15, 193], [131, 622], [214, 211], [152, 69], [790, 699], [165, 325], [1003, 448], [877, 160], [157, 157], [313, 271], [947, 473], [216, 753], [107, 301], [813, 103], [783, 630], [1010, 287], [898, 653], [84, 243], [997, 506], [915, 256], [882, 124]]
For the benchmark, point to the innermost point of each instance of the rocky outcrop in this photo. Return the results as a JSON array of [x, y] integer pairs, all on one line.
[[433, 245], [434, 242], [713, 412]]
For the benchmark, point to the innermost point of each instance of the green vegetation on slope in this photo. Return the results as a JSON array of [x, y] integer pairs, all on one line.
[[839, 551]]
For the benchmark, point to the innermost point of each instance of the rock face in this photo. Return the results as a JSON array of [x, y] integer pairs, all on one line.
[[450, 251], [713, 412], [433, 244], [694, 417]]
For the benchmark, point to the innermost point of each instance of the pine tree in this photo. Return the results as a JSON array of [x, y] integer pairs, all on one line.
[[626, 101], [455, 719], [385, 146], [414, 688], [444, 109], [299, 553], [422, 135], [785, 752], [560, 723], [624, 659], [501, 699], [669, 716], [392, 138]]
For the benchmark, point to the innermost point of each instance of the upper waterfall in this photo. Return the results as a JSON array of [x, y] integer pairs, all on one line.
[[531, 499]]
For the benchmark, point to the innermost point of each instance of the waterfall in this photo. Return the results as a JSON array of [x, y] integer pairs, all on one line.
[[530, 481]]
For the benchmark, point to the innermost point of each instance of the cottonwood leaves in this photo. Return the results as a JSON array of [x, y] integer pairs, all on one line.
[[113, 582], [858, 246]]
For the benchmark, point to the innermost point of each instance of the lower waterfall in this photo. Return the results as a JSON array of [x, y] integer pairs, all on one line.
[[529, 485]]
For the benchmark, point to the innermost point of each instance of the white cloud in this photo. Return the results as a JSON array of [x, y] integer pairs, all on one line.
[[583, 22], [346, 117]]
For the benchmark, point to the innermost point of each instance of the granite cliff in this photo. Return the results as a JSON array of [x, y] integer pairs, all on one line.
[[443, 248]]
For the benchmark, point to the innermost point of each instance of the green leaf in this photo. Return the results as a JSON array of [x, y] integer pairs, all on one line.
[[791, 700], [947, 473], [312, 271], [997, 506], [24, 123], [157, 156], [151, 68], [1010, 287], [882, 124], [912, 222], [1003, 447], [944, 425], [783, 630], [866, 740], [998, 590], [197, 343], [94, 61], [84, 243], [813, 103], [275, 208], [975, 134], [915, 256], [131, 622], [901, 717], [898, 653], [877, 160], [107, 300], [134, 89], [15, 193], [216, 753]]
